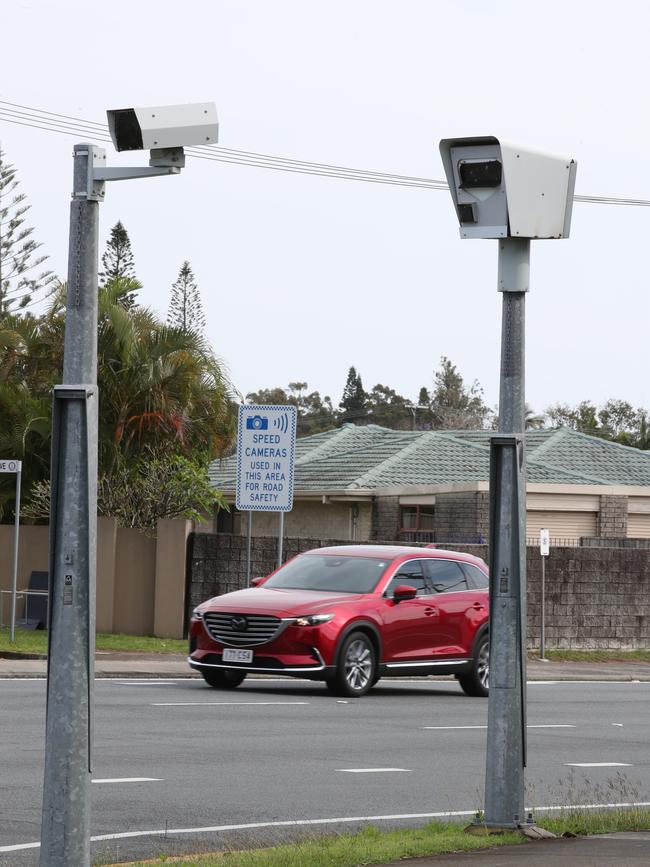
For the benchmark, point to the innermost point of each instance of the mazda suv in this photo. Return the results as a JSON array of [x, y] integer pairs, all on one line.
[[348, 615]]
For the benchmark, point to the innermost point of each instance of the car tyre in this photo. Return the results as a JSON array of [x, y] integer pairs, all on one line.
[[477, 681], [223, 678], [356, 671]]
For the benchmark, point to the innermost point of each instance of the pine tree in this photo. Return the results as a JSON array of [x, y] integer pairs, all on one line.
[[185, 308], [353, 403], [18, 284], [117, 262]]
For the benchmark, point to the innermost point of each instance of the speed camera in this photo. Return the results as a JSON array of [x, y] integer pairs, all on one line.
[[504, 191], [163, 126]]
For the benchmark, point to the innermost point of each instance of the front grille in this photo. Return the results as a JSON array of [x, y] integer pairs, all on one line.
[[242, 630]]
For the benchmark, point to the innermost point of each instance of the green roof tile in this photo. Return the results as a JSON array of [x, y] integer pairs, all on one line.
[[369, 457]]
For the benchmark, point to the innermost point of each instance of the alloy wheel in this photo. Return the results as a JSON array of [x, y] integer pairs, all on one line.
[[358, 664]]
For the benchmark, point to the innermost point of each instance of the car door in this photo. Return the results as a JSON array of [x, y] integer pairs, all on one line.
[[457, 607], [409, 629]]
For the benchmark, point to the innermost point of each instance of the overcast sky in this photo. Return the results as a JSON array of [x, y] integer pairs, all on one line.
[[303, 276]]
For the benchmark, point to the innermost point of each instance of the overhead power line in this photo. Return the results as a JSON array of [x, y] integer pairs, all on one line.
[[49, 121]]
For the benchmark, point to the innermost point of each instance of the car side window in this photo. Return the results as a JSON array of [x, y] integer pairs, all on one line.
[[477, 579], [411, 575], [446, 576]]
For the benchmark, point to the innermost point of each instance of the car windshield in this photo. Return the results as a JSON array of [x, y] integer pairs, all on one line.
[[335, 574]]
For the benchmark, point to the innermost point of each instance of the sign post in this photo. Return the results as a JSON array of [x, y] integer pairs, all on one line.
[[12, 466], [266, 445], [544, 548]]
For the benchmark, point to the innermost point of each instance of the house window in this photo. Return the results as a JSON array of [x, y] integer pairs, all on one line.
[[416, 524]]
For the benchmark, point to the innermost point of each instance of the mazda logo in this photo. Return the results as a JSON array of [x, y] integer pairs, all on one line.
[[239, 624]]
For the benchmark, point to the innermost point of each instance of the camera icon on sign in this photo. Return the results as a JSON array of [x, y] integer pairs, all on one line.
[[256, 422]]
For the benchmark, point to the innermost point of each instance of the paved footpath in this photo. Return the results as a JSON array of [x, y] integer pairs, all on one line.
[[612, 850]]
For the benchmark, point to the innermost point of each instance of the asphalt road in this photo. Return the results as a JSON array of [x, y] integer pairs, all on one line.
[[177, 757]]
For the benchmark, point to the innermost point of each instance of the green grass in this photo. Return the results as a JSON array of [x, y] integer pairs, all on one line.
[[372, 846], [369, 846], [596, 655], [35, 641]]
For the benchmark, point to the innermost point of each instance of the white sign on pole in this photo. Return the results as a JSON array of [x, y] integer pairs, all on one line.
[[544, 542], [10, 466], [266, 444]]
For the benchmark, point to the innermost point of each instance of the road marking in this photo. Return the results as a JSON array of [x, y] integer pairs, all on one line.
[[598, 764], [222, 703], [340, 820], [145, 682], [130, 780], [620, 725], [543, 726], [373, 770]]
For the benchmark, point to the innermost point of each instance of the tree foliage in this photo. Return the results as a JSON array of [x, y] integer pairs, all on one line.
[[159, 484], [453, 405], [19, 258], [616, 420], [353, 403], [160, 390], [185, 307], [117, 264]]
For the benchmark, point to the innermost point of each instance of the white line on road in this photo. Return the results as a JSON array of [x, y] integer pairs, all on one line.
[[213, 703], [130, 780], [544, 726], [293, 823], [598, 764], [145, 682], [373, 770]]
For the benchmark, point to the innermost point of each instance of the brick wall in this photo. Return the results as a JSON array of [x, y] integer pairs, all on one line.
[[462, 516], [595, 597], [612, 518], [385, 517]]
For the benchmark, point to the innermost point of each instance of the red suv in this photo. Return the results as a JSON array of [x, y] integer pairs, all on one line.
[[349, 615]]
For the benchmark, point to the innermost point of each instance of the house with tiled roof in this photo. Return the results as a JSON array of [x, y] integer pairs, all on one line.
[[372, 483]]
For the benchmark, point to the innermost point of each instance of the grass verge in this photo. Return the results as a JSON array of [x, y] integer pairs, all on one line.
[[372, 846], [35, 641]]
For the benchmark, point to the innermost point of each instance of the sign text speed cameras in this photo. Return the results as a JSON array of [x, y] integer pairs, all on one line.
[[504, 191]]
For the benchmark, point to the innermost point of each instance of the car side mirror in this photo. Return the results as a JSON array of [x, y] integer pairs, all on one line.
[[255, 582], [404, 591]]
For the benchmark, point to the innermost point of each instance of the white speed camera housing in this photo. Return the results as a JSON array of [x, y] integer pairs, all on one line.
[[163, 126], [503, 191]]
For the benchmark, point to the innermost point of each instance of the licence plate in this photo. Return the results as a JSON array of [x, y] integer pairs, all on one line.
[[231, 654]]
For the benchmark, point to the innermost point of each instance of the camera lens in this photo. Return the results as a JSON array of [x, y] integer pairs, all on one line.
[[479, 173]]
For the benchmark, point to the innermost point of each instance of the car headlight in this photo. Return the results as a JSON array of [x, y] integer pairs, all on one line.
[[312, 620], [197, 614]]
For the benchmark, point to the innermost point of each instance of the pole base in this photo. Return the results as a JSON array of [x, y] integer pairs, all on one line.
[[480, 827]]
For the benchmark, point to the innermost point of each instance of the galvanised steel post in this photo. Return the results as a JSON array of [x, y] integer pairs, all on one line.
[[506, 741], [65, 832]]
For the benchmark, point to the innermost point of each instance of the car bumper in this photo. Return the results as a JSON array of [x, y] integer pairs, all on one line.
[[263, 665]]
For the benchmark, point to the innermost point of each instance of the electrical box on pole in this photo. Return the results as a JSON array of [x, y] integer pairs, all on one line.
[[514, 195]]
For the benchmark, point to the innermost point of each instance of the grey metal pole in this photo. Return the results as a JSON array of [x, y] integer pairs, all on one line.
[[14, 569], [280, 539], [506, 740], [542, 635], [65, 831], [248, 548]]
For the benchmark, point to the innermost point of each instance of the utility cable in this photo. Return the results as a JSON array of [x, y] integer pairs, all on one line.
[[35, 118]]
